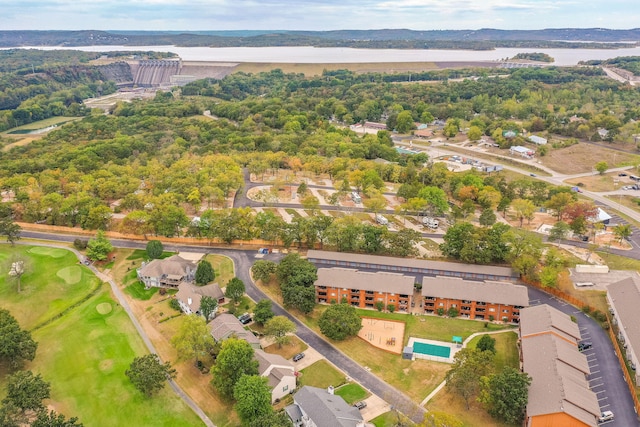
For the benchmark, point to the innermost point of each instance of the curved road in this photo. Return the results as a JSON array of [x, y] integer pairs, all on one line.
[[243, 262]]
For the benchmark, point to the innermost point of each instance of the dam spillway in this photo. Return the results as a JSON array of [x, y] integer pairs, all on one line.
[[153, 73]]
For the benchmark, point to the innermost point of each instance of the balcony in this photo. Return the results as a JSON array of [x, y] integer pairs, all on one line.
[[324, 288], [481, 303], [480, 310], [465, 308], [429, 298]]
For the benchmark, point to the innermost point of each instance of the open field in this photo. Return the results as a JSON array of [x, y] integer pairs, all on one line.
[[223, 268], [582, 157], [84, 353], [317, 69], [86, 369], [352, 393], [598, 182], [21, 136], [53, 282]]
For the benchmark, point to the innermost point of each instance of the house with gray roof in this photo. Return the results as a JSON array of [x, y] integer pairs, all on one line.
[[189, 296], [226, 325], [624, 299], [279, 371], [474, 300], [317, 407], [559, 393], [364, 288], [167, 273]]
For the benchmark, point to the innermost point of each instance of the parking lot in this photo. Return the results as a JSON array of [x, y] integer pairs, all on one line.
[[606, 378]]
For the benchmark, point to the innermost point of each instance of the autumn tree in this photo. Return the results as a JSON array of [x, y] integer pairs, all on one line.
[[204, 273], [469, 366], [622, 231], [16, 345], [523, 208], [279, 328], [340, 321], [99, 248], [235, 290], [263, 270], [148, 374], [208, 306], [234, 360], [8, 227], [506, 395], [193, 340], [253, 398], [154, 249], [601, 167]]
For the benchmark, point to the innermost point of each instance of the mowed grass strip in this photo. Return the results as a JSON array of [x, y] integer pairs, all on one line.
[[85, 355], [506, 349], [223, 268], [321, 374], [54, 281], [352, 393]]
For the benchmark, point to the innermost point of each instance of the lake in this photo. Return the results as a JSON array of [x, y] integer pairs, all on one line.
[[326, 55]]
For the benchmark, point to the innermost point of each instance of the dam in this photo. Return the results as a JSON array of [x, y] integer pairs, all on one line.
[[158, 73]]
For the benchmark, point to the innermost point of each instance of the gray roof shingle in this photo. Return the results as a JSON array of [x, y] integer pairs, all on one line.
[[380, 281], [326, 410], [490, 292]]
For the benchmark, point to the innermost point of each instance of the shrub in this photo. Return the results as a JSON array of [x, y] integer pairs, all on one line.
[[173, 303], [391, 308], [80, 244], [440, 311], [452, 312], [379, 305]]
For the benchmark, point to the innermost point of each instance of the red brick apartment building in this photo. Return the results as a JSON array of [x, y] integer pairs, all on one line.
[[474, 300], [364, 289]]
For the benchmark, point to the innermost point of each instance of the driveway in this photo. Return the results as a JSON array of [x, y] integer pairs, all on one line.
[[606, 379]]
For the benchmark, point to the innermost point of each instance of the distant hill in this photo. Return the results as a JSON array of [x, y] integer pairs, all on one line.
[[482, 39]]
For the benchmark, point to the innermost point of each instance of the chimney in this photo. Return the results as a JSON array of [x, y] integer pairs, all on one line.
[[189, 301]]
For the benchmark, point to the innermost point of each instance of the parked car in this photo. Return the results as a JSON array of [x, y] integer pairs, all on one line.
[[361, 405], [622, 174], [264, 251], [245, 318], [533, 174], [605, 416], [298, 356], [584, 345]]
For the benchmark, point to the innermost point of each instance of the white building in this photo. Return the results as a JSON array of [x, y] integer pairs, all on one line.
[[624, 299], [538, 140], [522, 151]]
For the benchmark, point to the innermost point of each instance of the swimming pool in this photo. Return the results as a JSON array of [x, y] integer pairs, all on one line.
[[431, 349]]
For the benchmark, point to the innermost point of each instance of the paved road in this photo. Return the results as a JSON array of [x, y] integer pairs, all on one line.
[[606, 379], [145, 338], [243, 260]]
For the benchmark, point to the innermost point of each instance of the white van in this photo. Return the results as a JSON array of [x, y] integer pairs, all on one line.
[[356, 197], [381, 220], [430, 222]]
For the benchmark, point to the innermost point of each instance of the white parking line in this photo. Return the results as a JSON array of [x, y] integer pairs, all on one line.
[[605, 406], [593, 379], [595, 372], [601, 391]]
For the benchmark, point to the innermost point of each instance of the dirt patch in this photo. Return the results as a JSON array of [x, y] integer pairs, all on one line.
[[582, 157], [385, 334]]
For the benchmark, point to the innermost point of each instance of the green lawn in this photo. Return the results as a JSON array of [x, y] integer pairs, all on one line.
[[41, 124], [506, 349], [388, 419], [223, 268], [434, 327], [86, 369], [53, 282], [85, 352], [352, 393], [321, 374]]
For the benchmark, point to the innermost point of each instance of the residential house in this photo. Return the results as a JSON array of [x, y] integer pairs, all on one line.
[[279, 371], [190, 295], [409, 265], [559, 393], [167, 273], [363, 288], [538, 140], [317, 407], [226, 325], [624, 299], [423, 133], [474, 300]]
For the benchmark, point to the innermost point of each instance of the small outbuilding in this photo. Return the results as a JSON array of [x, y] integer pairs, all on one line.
[[407, 353]]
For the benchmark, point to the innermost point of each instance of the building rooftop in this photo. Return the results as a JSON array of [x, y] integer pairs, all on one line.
[[490, 292], [325, 409], [543, 318], [409, 263], [380, 281], [558, 382], [173, 266], [625, 299], [225, 325]]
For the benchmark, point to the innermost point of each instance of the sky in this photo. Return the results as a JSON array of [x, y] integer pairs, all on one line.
[[176, 15]]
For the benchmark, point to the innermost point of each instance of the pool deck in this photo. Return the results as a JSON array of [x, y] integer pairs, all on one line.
[[454, 349]]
